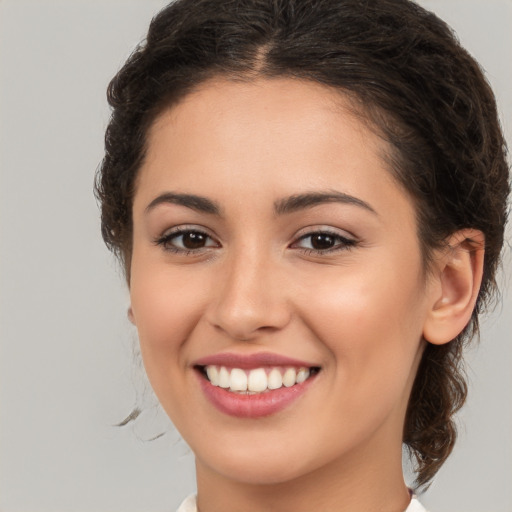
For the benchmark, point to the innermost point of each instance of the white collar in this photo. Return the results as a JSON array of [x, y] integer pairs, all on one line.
[[189, 505]]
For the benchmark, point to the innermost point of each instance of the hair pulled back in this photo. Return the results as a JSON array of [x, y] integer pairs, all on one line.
[[411, 80]]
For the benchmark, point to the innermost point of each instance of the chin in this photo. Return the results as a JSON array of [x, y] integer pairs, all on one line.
[[266, 473], [267, 466]]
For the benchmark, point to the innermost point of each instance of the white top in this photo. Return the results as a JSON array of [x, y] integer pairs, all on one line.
[[189, 505]]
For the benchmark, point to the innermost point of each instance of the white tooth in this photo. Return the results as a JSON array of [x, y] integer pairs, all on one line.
[[275, 379], [302, 375], [257, 380], [223, 377], [289, 377], [213, 375], [238, 380]]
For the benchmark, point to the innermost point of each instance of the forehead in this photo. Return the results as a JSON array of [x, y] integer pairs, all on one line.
[[266, 136]]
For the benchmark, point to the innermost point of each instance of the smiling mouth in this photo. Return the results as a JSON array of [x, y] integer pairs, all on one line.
[[256, 380]]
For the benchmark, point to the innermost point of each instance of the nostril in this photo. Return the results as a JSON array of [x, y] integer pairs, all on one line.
[[247, 304]]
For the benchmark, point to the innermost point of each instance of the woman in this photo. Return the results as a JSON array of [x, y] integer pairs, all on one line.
[[309, 201]]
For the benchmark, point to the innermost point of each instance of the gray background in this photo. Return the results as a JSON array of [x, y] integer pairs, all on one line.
[[69, 368]]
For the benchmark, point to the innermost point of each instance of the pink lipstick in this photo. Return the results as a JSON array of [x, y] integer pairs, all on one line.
[[255, 385]]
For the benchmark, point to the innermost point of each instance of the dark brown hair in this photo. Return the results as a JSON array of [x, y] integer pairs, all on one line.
[[414, 84]]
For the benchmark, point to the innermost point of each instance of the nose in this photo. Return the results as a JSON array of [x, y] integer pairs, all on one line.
[[251, 299]]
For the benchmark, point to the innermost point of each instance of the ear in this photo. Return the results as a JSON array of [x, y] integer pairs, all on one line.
[[130, 315], [456, 283]]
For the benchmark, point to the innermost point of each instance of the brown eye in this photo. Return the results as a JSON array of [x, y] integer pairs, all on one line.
[[194, 240], [186, 240], [322, 241]]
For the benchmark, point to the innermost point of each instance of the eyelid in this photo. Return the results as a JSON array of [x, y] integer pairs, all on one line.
[[185, 228], [322, 228]]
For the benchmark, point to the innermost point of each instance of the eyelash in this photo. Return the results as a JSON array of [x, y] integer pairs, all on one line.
[[342, 243], [165, 241]]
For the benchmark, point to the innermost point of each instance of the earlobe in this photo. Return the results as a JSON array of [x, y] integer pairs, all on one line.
[[130, 315], [456, 286]]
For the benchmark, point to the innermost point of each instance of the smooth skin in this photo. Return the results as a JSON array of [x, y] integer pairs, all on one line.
[[240, 270]]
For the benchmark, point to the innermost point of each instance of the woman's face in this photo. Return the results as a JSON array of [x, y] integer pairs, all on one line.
[[272, 245]]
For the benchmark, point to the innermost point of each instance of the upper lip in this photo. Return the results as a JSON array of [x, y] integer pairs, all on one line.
[[250, 361]]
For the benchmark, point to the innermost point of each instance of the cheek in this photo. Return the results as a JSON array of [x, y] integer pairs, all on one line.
[[372, 330], [371, 321], [166, 308]]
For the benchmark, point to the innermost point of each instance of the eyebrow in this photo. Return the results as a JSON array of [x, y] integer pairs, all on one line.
[[198, 203], [281, 207], [308, 200]]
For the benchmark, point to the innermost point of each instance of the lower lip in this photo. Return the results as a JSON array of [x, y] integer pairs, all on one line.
[[253, 406]]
